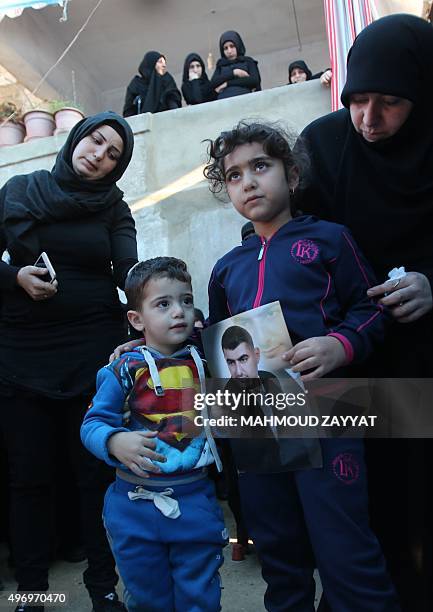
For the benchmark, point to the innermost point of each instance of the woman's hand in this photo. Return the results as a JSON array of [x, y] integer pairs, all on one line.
[[221, 87], [134, 449], [29, 278], [125, 348], [321, 355], [408, 298], [326, 78], [192, 76], [238, 72]]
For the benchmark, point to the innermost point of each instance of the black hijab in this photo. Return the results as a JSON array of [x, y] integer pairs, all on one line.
[[154, 89], [236, 39], [241, 58], [386, 188], [194, 57], [303, 66], [59, 195]]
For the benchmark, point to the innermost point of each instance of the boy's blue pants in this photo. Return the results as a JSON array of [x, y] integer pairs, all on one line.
[[167, 565], [318, 518]]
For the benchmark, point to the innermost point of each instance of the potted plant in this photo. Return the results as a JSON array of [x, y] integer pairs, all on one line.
[[66, 115], [39, 123], [12, 130]]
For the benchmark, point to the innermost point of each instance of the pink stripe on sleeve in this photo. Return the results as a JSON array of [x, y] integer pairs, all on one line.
[[348, 348]]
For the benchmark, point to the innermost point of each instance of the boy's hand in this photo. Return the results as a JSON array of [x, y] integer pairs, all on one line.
[[321, 355], [134, 449], [125, 348], [408, 298]]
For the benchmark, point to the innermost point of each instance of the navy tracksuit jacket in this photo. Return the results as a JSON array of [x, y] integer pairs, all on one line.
[[315, 517]]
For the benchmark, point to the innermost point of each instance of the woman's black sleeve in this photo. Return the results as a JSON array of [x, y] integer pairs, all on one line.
[[252, 82], [192, 92], [221, 75], [8, 274], [123, 238], [173, 97], [129, 108]]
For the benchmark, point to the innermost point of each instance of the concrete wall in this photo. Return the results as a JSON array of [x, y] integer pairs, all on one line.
[[173, 209]]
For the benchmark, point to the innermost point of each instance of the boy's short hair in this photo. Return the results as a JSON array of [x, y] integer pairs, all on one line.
[[158, 267], [274, 138], [234, 336]]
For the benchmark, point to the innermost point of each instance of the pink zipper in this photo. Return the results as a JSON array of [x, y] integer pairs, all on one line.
[[261, 284]]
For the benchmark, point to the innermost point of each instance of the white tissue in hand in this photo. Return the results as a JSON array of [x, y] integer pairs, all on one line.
[[396, 273]]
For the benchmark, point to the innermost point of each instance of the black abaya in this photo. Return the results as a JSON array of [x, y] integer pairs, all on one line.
[[150, 92], [383, 192]]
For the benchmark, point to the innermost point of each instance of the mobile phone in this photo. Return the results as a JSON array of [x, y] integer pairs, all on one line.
[[43, 261]]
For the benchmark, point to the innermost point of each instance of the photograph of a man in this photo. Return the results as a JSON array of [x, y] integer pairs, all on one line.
[[242, 359], [241, 356]]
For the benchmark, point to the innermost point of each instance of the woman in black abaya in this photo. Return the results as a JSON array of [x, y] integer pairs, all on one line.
[[235, 74], [152, 90], [372, 170], [196, 86], [55, 336]]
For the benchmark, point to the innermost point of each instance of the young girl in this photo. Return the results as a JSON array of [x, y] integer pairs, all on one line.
[[317, 517], [235, 74]]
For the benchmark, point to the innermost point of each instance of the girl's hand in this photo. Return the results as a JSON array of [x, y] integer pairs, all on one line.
[[125, 348], [408, 298], [134, 449], [321, 355], [238, 72], [29, 279], [221, 87]]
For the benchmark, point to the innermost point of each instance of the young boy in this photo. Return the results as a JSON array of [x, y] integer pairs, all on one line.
[[316, 517], [164, 524]]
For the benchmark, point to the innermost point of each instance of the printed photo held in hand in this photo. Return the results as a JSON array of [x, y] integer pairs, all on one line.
[[267, 327], [254, 394]]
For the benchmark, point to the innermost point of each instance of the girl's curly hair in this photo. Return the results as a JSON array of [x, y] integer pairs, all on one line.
[[276, 143]]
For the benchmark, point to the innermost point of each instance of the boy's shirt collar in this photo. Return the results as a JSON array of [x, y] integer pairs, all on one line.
[[183, 351]]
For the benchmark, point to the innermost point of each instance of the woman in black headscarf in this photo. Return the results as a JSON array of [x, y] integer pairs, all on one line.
[[372, 171], [235, 74], [299, 72], [196, 87], [153, 90], [55, 336]]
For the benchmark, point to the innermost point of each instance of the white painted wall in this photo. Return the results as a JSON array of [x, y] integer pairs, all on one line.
[[185, 221]]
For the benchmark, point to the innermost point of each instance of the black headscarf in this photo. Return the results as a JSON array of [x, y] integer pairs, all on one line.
[[59, 195], [388, 185], [382, 191], [302, 66], [236, 39], [241, 60], [193, 57], [154, 90], [198, 90]]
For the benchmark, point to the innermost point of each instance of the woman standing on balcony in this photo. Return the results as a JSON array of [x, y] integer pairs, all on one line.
[[152, 90], [372, 171], [55, 335], [235, 74], [196, 86]]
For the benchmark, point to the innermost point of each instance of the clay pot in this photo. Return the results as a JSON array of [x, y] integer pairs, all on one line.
[[39, 124], [11, 133], [66, 118]]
